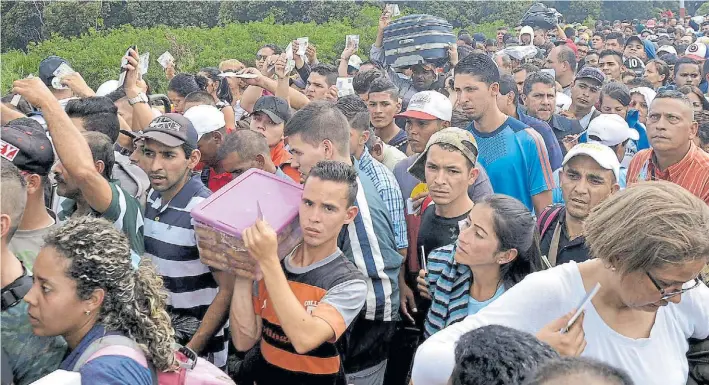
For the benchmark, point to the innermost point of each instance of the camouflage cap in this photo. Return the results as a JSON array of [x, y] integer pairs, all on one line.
[[462, 140]]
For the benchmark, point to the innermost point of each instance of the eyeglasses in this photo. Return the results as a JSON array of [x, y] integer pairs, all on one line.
[[261, 57], [687, 286]]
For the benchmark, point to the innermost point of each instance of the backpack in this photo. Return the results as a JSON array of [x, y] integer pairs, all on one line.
[[546, 218], [192, 370]]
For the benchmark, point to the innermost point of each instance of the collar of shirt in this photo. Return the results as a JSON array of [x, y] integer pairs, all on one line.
[[279, 155], [578, 241], [183, 197], [364, 161], [586, 120], [675, 169]]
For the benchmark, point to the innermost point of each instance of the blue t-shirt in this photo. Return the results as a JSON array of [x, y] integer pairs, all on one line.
[[106, 370], [475, 306], [516, 160]]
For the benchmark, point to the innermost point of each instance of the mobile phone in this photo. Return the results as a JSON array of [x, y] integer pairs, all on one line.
[[124, 61], [580, 308]]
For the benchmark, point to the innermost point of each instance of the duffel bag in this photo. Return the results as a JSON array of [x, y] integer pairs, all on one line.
[[540, 16], [417, 39]]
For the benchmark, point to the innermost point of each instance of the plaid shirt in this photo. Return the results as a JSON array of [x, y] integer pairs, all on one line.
[[388, 188]]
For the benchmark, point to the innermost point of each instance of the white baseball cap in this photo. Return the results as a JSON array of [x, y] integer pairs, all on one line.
[[355, 62], [205, 119], [603, 155], [696, 51], [107, 87], [668, 49], [648, 93], [428, 105], [611, 129]]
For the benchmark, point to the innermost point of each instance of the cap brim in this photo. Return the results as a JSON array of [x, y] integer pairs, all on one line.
[[163, 138], [276, 119], [130, 134], [695, 57], [633, 134], [589, 78], [416, 115]]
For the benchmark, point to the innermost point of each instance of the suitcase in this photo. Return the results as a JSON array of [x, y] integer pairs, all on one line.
[[417, 39]]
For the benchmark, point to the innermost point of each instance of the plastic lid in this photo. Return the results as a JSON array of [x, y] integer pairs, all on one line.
[[233, 208]]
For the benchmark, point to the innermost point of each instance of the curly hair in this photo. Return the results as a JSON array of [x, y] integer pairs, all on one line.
[[134, 300]]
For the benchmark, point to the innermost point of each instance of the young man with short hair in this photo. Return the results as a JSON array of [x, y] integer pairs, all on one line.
[[321, 83], [615, 42], [585, 94], [27, 146], [522, 169], [307, 302], [269, 117], [688, 72], [590, 175], [318, 132], [383, 103], [611, 63], [520, 74], [28, 357], [672, 155], [83, 172], [197, 295]]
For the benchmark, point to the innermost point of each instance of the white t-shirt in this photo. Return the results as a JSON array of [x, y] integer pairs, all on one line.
[[545, 296]]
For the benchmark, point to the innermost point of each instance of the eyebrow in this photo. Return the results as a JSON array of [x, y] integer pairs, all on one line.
[[481, 229]]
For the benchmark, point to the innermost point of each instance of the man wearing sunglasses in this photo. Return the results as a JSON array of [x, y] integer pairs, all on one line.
[[263, 55]]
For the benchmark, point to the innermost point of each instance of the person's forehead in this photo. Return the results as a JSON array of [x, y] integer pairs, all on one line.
[[445, 158], [688, 67], [588, 82], [468, 79], [380, 97], [316, 78], [325, 191], [669, 105], [265, 51], [542, 87]]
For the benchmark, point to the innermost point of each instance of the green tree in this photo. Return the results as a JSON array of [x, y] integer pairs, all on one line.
[[28, 15], [71, 18], [174, 13]]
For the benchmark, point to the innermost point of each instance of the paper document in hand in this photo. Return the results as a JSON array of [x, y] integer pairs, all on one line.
[[165, 59], [344, 87], [144, 59], [352, 40], [290, 63], [59, 74], [302, 46], [393, 10]]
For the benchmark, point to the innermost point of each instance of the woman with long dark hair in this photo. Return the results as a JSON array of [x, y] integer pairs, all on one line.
[[497, 247]]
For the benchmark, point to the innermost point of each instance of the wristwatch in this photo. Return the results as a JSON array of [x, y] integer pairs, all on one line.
[[140, 98]]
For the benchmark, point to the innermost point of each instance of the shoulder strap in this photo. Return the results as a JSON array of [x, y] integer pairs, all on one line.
[[100, 343], [554, 245], [547, 217]]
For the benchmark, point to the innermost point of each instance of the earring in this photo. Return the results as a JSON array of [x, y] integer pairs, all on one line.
[[87, 312]]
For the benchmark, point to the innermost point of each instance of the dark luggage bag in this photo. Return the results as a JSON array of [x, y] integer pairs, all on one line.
[[417, 39]]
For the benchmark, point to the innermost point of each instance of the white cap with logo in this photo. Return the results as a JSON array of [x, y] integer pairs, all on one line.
[[603, 155], [428, 105], [611, 130], [205, 119]]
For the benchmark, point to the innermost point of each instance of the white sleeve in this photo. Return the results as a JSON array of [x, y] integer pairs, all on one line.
[[528, 306]]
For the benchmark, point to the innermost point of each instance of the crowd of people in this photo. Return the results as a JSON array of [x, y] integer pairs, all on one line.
[[454, 214]]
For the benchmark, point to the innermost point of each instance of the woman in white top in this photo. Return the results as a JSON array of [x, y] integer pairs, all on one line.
[[650, 243]]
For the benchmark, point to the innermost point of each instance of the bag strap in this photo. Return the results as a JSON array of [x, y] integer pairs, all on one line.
[[99, 344], [546, 218], [554, 245]]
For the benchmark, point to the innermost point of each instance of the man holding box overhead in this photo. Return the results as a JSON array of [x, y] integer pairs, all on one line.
[[198, 297], [305, 303]]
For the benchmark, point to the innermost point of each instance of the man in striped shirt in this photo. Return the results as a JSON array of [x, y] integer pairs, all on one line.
[[318, 132], [673, 156], [198, 297]]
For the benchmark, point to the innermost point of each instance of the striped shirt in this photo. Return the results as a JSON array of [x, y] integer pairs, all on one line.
[[124, 212], [368, 242], [388, 188], [171, 244], [692, 172], [516, 160], [449, 285]]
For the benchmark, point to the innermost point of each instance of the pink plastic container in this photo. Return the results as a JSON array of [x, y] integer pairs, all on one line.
[[221, 219]]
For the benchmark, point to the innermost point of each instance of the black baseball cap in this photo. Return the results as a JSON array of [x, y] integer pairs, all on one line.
[[634, 64], [276, 108], [47, 68], [636, 38], [27, 146], [591, 73], [171, 130]]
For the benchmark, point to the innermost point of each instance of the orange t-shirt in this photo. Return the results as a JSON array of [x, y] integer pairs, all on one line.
[[282, 158]]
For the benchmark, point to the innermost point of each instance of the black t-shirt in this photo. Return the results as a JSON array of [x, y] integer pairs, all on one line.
[[437, 231], [568, 250]]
